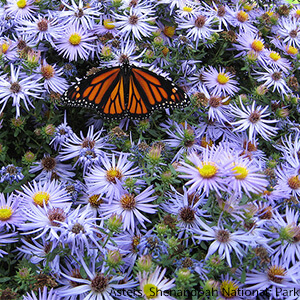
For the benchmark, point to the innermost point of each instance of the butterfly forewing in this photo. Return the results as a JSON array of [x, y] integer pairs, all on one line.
[[103, 91]]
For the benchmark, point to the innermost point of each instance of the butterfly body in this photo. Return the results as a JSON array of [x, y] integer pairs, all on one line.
[[125, 91]]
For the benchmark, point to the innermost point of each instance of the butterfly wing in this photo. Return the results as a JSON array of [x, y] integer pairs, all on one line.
[[103, 91], [148, 92]]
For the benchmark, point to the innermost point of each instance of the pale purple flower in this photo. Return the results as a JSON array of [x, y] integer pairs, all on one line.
[[19, 87], [76, 42], [80, 14], [220, 83], [43, 295], [207, 172], [20, 9], [103, 178], [136, 22], [254, 119], [87, 149], [41, 28], [10, 211], [132, 208], [224, 241]]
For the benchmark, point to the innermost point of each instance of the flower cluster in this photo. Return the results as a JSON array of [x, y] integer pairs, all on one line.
[[197, 202]]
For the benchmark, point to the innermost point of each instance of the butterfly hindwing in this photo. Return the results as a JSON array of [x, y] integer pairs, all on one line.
[[155, 92]]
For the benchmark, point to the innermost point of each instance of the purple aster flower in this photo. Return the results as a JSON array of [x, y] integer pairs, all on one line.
[[196, 82], [11, 173], [275, 61], [131, 208], [273, 77], [249, 41], [185, 208], [185, 137], [6, 238], [43, 295], [105, 26], [286, 236], [127, 243], [87, 149], [136, 22], [51, 168], [224, 241], [23, 9], [62, 133], [97, 284], [79, 231], [52, 79], [288, 30], [8, 49], [41, 28], [152, 285], [253, 118], [37, 252], [241, 19], [44, 221], [219, 12], [79, 14], [207, 171], [151, 244], [104, 180], [42, 193], [199, 27], [220, 82], [19, 87], [275, 278], [125, 51], [10, 211], [246, 177], [288, 180], [76, 43]]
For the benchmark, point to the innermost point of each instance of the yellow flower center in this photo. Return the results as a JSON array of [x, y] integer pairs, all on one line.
[[75, 39], [294, 182], [5, 213], [205, 143], [150, 291], [95, 200], [242, 16], [276, 273], [208, 170], [108, 24], [112, 174], [274, 55], [257, 45], [222, 78], [298, 12], [291, 50], [47, 71], [169, 31], [5, 47], [40, 197], [165, 51], [229, 289], [21, 3], [187, 9], [270, 13], [240, 172]]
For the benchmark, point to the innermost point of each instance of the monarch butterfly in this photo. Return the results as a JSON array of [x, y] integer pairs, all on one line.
[[125, 91]]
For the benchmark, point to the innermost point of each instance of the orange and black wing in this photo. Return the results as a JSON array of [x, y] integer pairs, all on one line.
[[148, 92], [103, 91]]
